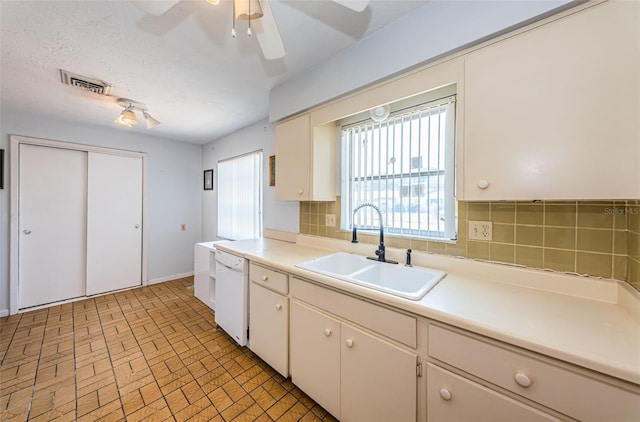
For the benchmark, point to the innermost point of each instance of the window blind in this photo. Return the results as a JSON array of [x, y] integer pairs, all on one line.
[[405, 166], [240, 197]]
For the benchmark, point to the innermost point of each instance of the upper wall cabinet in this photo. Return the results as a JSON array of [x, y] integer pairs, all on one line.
[[305, 161], [554, 112]]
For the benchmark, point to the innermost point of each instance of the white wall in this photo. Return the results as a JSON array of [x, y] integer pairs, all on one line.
[[277, 215], [174, 190], [429, 32]]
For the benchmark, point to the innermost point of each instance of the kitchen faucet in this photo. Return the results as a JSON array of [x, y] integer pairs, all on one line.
[[380, 252]]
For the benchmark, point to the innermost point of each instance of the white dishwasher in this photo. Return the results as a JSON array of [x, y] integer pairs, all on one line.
[[232, 295]]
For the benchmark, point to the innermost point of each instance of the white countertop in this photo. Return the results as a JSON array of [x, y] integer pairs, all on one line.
[[589, 322]]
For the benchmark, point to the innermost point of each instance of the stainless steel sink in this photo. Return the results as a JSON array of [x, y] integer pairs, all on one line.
[[407, 282]]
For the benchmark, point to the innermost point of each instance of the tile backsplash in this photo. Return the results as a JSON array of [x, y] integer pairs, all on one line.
[[596, 238]]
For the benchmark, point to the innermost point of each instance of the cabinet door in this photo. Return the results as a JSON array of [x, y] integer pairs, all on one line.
[[269, 327], [293, 143], [456, 399], [315, 356], [378, 379], [114, 222], [552, 113]]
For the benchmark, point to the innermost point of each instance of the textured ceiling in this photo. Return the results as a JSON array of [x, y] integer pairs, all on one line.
[[184, 65]]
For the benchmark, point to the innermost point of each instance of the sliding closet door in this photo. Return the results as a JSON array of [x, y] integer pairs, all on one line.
[[114, 223], [52, 224]]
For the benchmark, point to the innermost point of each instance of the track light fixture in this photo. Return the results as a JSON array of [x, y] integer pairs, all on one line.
[[127, 116]]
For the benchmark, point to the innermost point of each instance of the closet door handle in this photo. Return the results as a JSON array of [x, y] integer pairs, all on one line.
[[137, 226], [26, 231]]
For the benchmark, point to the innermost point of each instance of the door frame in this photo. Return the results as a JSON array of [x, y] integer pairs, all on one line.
[[14, 229]]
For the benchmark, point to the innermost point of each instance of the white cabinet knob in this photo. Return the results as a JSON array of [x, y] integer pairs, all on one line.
[[445, 394], [483, 184], [523, 380], [265, 277], [278, 306], [327, 332], [349, 342], [300, 191]]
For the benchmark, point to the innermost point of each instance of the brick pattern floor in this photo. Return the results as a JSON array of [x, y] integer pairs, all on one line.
[[149, 353]]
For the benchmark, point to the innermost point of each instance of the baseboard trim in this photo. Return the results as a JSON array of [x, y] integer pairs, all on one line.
[[169, 278], [4, 313]]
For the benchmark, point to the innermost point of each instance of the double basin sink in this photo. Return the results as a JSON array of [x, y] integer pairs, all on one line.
[[407, 282]]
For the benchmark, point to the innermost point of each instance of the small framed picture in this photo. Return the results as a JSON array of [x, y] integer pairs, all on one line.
[[272, 170], [208, 179]]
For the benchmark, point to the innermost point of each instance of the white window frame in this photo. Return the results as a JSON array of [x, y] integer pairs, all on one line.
[[240, 196], [366, 218]]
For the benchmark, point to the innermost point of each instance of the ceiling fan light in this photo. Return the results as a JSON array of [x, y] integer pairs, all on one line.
[[151, 122], [247, 9], [213, 2]]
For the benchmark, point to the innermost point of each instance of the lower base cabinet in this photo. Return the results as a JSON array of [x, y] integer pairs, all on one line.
[[315, 356], [354, 375], [555, 385], [451, 398], [378, 380], [269, 322]]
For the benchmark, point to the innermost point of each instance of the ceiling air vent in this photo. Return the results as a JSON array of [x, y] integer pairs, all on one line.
[[85, 83]]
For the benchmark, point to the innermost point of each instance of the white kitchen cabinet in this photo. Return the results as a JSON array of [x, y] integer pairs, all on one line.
[[315, 356], [452, 398], [377, 379], [552, 112], [269, 327], [553, 384], [269, 317], [352, 373], [305, 160]]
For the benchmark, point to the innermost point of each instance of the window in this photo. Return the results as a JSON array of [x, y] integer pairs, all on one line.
[[404, 165], [240, 197]]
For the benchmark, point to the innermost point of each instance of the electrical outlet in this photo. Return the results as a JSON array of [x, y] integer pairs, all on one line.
[[183, 227], [480, 230], [330, 220]]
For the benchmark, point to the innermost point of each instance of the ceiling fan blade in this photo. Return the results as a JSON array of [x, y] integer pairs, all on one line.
[[356, 5], [155, 7], [266, 30]]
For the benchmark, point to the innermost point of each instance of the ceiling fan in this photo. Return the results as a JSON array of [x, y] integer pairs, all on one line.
[[259, 15]]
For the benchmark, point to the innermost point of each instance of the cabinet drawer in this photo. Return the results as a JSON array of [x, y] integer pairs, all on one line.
[[385, 321], [456, 399], [268, 278], [561, 389]]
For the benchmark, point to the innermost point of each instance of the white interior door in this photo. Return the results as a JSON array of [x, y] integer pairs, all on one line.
[[52, 224], [114, 223]]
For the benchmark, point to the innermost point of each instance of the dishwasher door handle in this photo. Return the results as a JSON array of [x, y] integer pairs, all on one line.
[[226, 266]]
